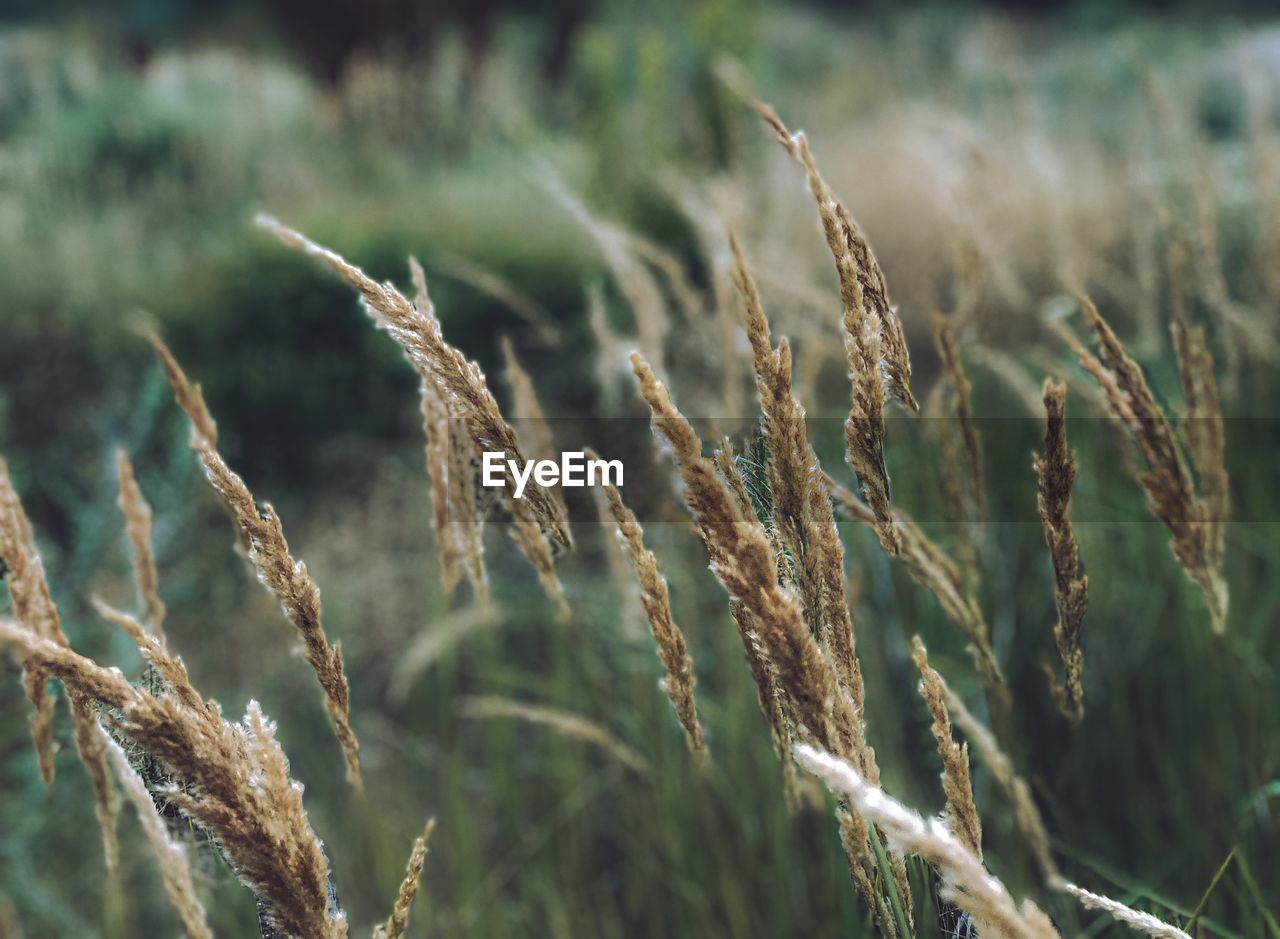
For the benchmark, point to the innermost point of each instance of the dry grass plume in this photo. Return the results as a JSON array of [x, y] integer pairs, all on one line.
[[137, 527], [278, 570], [672, 649], [1194, 520], [962, 813], [772, 622], [171, 855], [232, 779], [34, 608], [1056, 472], [398, 922]]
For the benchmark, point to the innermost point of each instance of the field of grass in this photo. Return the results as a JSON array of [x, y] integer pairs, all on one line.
[[1006, 172]]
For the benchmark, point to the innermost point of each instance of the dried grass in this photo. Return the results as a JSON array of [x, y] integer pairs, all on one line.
[[772, 699], [801, 507], [233, 778], [931, 568], [672, 649], [34, 608], [965, 881], [962, 813], [457, 519], [171, 855], [875, 346], [137, 527], [944, 336], [526, 407], [451, 541], [1194, 520], [771, 620], [460, 383], [1026, 815], [398, 922], [573, 726], [1142, 922], [278, 570], [631, 613], [1056, 472]]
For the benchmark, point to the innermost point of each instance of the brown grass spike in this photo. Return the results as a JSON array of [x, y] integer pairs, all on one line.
[[279, 572], [137, 527], [672, 649], [962, 813], [34, 608], [398, 922], [1056, 472]]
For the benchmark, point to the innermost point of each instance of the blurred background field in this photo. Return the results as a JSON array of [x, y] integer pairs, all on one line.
[[993, 153]]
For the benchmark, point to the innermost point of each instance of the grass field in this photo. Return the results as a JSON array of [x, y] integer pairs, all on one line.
[[609, 751]]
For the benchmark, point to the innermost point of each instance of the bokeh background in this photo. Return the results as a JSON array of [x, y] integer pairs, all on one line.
[[993, 153]]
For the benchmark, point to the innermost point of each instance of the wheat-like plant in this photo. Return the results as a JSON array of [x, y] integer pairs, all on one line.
[[672, 649], [137, 526], [1194, 521], [34, 608], [1026, 814], [398, 922], [525, 405], [774, 630], [630, 606], [1056, 472], [875, 346], [962, 813], [171, 855], [457, 540], [286, 577], [463, 387], [234, 778], [541, 445], [772, 699], [455, 502], [801, 506], [803, 523]]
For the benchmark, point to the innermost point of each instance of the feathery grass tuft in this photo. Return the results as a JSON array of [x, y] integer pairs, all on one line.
[[672, 650], [875, 346], [541, 517], [34, 608], [171, 855], [287, 578], [771, 622], [1195, 522], [234, 778], [962, 814]]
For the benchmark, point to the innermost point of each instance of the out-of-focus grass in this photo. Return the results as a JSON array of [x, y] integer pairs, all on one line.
[[125, 191]]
